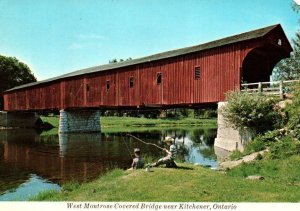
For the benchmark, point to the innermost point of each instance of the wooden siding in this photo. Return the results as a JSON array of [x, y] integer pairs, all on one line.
[[220, 71]]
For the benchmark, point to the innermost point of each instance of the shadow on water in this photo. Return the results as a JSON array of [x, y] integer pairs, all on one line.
[[26, 156]]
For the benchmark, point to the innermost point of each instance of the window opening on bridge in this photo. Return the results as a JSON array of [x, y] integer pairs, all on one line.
[[107, 85], [87, 88], [197, 73], [131, 80], [158, 78]]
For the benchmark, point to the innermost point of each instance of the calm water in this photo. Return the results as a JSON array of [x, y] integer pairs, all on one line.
[[30, 162]]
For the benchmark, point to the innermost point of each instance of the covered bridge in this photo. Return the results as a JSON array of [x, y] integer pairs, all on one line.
[[190, 76]]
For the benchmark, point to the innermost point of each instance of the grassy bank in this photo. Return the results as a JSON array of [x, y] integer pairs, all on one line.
[[191, 183], [134, 121], [127, 122]]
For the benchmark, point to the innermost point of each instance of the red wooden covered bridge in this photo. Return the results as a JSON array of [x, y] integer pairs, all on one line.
[[190, 76]]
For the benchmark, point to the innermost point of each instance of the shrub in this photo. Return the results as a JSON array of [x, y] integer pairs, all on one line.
[[293, 111], [255, 146], [259, 157], [253, 111], [261, 142], [284, 148], [236, 155]]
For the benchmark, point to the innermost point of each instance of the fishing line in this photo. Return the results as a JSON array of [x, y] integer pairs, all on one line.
[[127, 147], [144, 141]]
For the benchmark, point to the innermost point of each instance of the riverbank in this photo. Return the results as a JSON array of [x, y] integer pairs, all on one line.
[[141, 122], [190, 183], [281, 181]]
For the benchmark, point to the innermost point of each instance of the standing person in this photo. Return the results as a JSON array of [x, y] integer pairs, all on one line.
[[138, 161], [171, 154]]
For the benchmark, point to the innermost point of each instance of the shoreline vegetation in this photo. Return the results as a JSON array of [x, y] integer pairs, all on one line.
[[141, 122], [281, 181], [134, 124]]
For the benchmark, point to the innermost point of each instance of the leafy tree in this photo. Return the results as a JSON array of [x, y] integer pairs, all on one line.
[[13, 73], [296, 7], [120, 60], [289, 69]]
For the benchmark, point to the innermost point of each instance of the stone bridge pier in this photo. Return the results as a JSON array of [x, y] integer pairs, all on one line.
[[79, 121], [229, 138]]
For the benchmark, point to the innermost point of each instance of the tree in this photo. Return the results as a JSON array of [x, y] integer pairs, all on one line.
[[121, 60], [13, 73], [289, 69]]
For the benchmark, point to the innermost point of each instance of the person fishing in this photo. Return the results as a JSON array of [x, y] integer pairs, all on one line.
[[138, 161], [171, 154]]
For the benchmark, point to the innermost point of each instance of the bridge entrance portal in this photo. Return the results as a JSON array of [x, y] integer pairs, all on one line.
[[259, 63]]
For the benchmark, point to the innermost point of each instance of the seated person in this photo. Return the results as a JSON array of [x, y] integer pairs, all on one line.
[[171, 154], [138, 161]]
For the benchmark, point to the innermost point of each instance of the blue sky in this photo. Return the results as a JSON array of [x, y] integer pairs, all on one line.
[[59, 36]]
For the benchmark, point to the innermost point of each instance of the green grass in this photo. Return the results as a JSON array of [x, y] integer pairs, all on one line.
[[284, 171], [130, 124], [134, 121], [134, 124], [52, 120], [191, 183]]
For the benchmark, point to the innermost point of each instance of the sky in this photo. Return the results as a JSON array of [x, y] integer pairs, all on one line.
[[54, 37]]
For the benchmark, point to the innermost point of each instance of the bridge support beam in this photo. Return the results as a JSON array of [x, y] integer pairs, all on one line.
[[18, 119], [229, 138], [79, 121]]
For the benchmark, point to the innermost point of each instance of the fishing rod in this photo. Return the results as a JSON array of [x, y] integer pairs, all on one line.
[[127, 148], [144, 141]]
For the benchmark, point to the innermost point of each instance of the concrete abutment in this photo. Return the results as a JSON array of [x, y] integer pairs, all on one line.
[[229, 138]]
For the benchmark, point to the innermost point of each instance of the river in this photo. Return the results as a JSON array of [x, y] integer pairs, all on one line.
[[31, 162]]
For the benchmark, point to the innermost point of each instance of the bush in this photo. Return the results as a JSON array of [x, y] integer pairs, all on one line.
[[236, 155], [261, 142], [284, 148], [255, 146], [293, 111], [253, 111]]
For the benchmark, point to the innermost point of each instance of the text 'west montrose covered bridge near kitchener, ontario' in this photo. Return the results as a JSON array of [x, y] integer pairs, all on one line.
[[189, 76]]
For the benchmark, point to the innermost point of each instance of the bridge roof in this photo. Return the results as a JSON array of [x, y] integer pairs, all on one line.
[[258, 33]]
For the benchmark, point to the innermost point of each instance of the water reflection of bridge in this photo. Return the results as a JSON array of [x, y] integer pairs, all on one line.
[[65, 160], [83, 157]]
